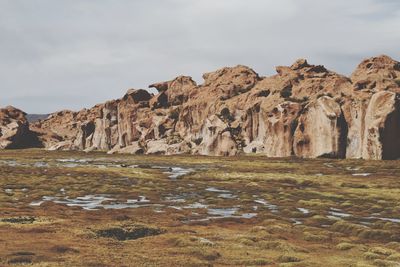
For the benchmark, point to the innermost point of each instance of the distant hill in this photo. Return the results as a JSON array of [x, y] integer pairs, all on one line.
[[35, 117]]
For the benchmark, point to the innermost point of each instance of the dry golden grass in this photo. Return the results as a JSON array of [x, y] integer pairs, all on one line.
[[283, 212]]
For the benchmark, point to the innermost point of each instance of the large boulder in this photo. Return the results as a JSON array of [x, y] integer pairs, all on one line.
[[134, 148], [174, 92], [377, 74], [14, 130], [229, 82]]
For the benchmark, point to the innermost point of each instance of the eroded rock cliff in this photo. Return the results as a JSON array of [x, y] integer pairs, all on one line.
[[304, 110]]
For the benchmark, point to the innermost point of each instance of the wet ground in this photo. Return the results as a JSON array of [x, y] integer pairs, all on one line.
[[78, 209]]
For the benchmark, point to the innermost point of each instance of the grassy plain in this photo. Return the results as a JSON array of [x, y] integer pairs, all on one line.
[[79, 209]]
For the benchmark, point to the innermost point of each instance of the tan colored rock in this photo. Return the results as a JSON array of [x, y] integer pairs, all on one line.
[[14, 130], [159, 101], [216, 138], [321, 130], [381, 138], [229, 82], [62, 145], [272, 132], [129, 128], [157, 147], [354, 111], [369, 115], [377, 74], [179, 148], [105, 135], [135, 148], [304, 110], [174, 92], [374, 126]]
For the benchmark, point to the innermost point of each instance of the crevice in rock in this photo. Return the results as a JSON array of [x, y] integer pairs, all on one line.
[[344, 129], [390, 135]]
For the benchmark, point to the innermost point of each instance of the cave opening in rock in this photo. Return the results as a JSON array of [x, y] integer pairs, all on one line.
[[390, 135], [344, 129]]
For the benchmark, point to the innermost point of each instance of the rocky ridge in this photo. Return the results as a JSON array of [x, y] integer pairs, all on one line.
[[304, 110]]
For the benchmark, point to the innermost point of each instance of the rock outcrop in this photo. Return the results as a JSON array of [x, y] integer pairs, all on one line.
[[374, 126], [304, 110], [14, 130], [321, 130], [372, 110]]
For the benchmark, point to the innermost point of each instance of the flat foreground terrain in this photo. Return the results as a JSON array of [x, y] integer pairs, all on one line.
[[77, 209]]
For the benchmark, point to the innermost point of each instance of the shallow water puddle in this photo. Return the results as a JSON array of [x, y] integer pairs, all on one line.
[[89, 162], [176, 172], [329, 165], [8, 191], [296, 221], [224, 213], [196, 205], [172, 172], [338, 214], [41, 164], [216, 190], [175, 199], [70, 165], [389, 219], [11, 163], [273, 208], [182, 197], [94, 202], [393, 220], [361, 174], [353, 168], [226, 194], [74, 160], [303, 210]]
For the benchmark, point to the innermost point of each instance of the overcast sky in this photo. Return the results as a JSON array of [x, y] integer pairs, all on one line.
[[71, 54]]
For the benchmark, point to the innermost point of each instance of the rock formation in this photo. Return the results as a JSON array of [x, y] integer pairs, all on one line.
[[14, 130], [372, 110], [304, 110]]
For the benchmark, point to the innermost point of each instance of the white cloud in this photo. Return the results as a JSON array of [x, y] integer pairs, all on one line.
[[76, 53]]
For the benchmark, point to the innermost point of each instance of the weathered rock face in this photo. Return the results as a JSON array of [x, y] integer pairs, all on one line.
[[175, 92], [377, 74], [14, 130], [321, 130], [372, 110], [374, 127], [271, 133], [381, 137], [304, 110]]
